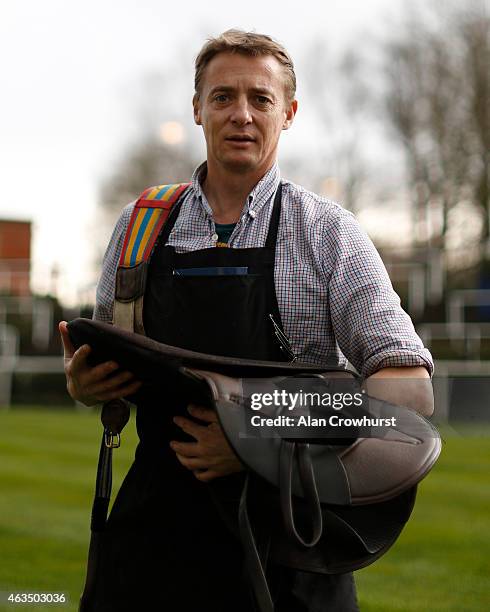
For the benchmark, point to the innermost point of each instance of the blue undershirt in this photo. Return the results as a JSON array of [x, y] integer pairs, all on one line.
[[224, 231]]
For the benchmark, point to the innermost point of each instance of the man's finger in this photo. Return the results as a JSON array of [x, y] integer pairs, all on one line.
[[101, 384], [192, 463], [118, 393], [191, 428], [187, 449], [203, 414], [68, 347], [206, 475], [103, 370], [78, 362], [78, 366]]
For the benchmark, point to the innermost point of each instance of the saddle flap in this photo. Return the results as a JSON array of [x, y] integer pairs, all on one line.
[[262, 454], [380, 469], [367, 471]]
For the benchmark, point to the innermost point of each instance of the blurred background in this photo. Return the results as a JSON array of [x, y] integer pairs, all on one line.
[[393, 123]]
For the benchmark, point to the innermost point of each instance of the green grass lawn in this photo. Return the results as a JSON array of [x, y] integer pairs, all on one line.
[[47, 469]]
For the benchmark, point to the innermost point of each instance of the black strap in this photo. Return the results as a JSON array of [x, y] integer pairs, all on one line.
[[252, 558], [100, 508], [114, 416], [310, 491], [271, 240]]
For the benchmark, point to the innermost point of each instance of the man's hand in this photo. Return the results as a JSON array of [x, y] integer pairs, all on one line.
[[210, 456], [93, 384]]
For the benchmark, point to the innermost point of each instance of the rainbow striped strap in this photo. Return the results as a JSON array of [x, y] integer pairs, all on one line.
[[149, 215]]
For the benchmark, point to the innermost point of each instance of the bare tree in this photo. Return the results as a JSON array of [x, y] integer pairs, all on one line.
[[155, 99], [438, 102], [147, 159], [340, 98], [475, 36], [150, 163]]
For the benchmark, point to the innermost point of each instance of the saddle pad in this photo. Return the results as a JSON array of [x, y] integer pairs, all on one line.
[[146, 357]]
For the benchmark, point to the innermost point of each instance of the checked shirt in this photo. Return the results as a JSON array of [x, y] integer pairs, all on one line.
[[336, 300]]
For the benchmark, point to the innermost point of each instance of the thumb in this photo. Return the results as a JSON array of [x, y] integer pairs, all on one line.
[[68, 347]]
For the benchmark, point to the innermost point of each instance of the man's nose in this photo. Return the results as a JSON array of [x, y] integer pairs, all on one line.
[[241, 114]]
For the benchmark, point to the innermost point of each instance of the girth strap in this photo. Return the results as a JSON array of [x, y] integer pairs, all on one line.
[[255, 565], [286, 461], [252, 558]]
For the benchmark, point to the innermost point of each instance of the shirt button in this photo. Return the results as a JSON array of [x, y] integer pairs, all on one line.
[[253, 214], [214, 237]]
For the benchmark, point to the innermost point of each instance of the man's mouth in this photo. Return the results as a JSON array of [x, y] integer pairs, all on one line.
[[240, 138]]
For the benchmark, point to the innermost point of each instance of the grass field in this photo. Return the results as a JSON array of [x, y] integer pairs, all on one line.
[[47, 468]]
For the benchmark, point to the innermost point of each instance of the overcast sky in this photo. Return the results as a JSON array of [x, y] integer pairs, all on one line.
[[67, 70]]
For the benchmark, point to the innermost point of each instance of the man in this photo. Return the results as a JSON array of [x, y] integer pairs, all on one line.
[[296, 264]]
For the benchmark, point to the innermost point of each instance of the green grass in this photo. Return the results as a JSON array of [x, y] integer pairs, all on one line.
[[441, 562], [47, 474], [47, 468]]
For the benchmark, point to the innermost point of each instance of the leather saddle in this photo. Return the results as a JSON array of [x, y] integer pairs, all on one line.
[[328, 502]]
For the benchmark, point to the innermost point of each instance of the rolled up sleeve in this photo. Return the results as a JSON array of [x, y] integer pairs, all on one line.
[[370, 326]]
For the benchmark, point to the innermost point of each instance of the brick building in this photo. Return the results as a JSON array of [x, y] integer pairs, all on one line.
[[15, 257]]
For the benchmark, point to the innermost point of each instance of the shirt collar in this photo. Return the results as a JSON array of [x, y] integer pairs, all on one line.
[[260, 194]]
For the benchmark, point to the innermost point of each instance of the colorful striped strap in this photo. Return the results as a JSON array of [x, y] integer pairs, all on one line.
[[149, 215]]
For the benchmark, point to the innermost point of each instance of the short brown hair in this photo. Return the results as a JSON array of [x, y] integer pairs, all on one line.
[[247, 43]]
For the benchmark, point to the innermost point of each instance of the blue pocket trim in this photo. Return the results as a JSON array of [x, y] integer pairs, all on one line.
[[221, 271]]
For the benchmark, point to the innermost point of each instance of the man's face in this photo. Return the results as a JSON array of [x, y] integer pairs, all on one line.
[[242, 109]]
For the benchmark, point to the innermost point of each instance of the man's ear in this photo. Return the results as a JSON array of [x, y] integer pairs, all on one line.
[[197, 109], [290, 113]]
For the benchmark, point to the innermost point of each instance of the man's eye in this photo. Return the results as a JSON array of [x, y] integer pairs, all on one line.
[[221, 98], [263, 100]]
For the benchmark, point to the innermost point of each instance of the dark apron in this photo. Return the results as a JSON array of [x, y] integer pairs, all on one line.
[[170, 543]]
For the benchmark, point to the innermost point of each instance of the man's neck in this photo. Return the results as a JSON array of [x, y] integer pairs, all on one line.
[[226, 193]]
